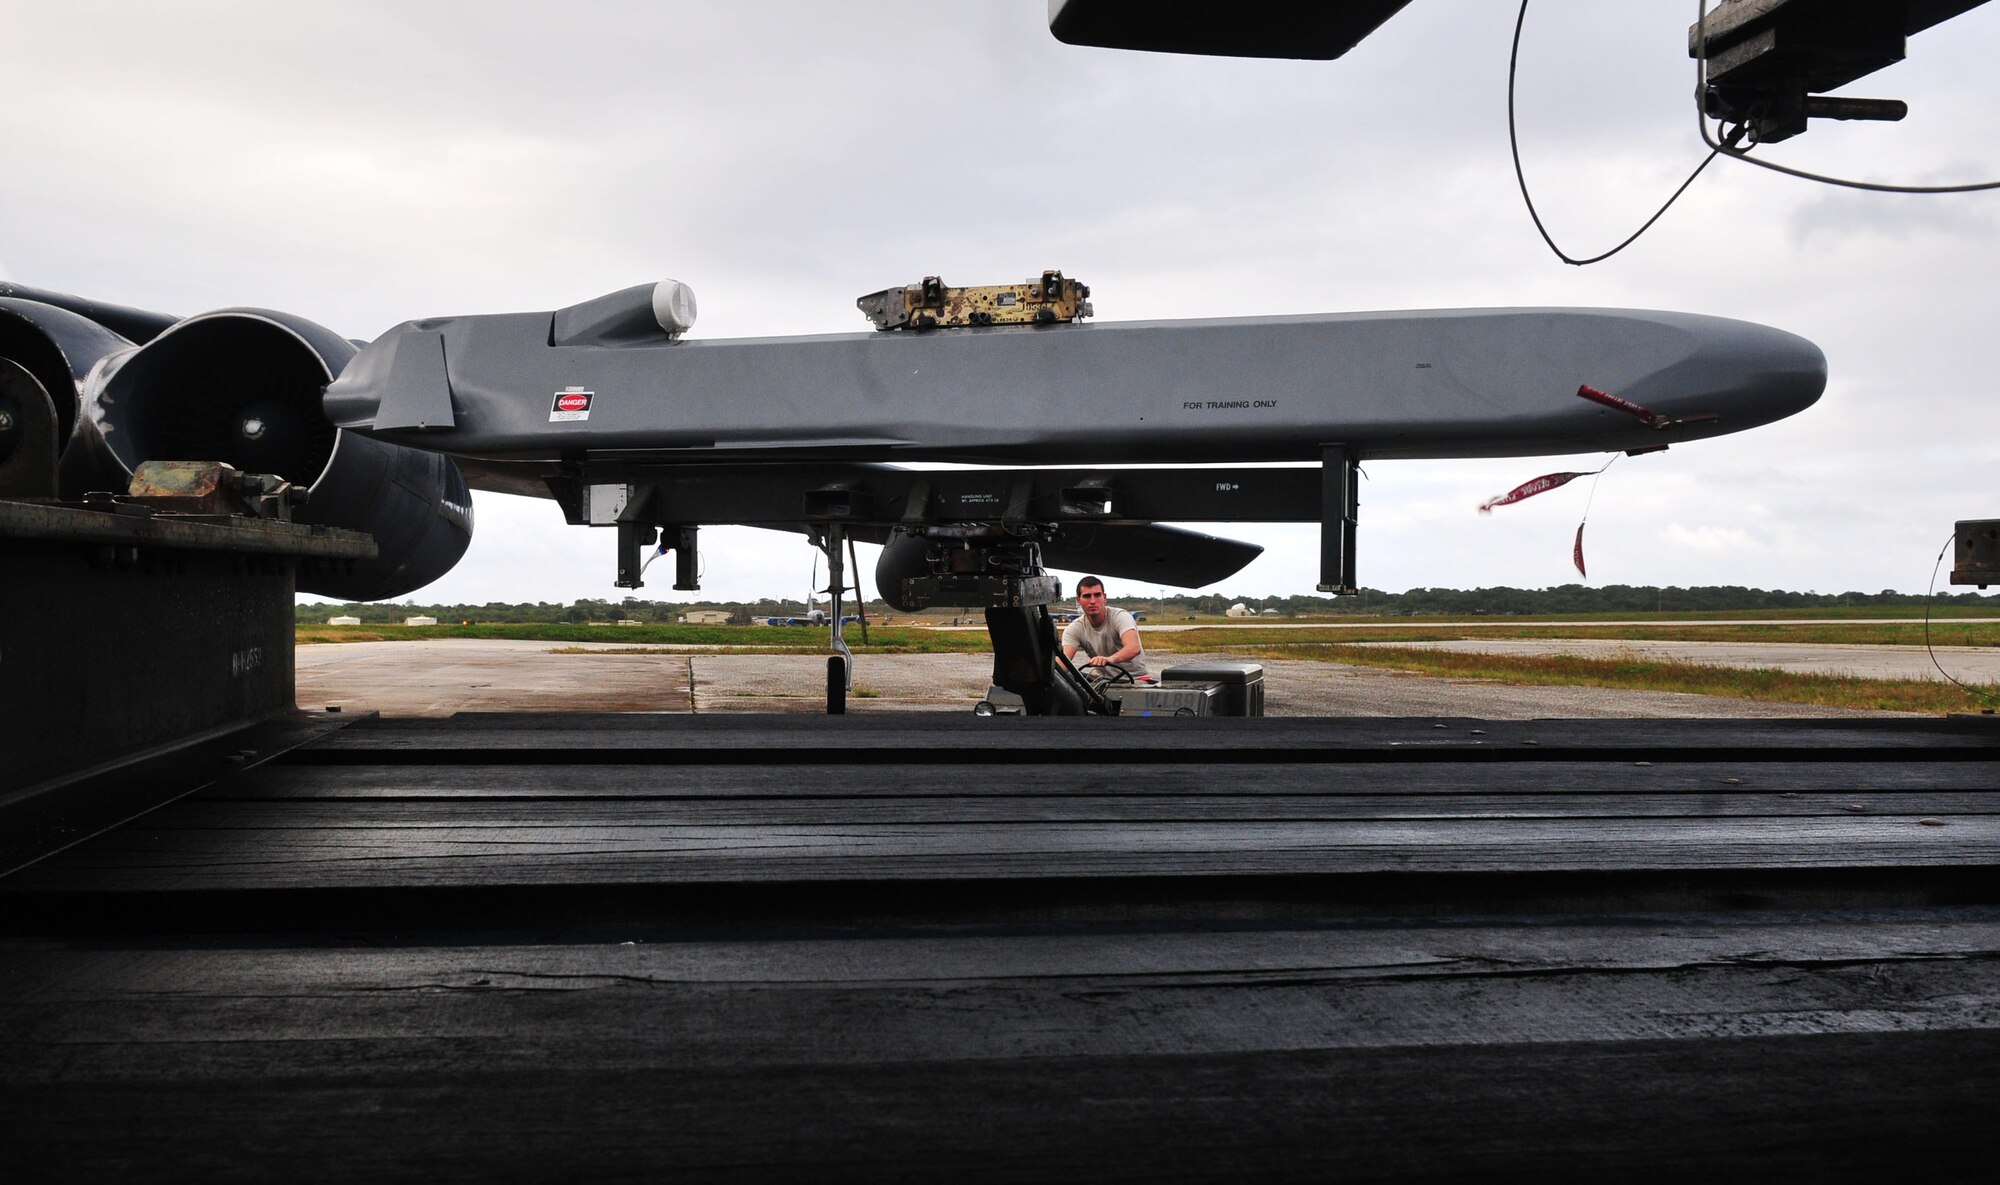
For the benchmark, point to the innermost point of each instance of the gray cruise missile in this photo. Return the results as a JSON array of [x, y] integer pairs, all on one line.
[[610, 378]]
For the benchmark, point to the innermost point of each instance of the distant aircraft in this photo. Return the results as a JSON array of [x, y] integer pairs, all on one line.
[[610, 410]]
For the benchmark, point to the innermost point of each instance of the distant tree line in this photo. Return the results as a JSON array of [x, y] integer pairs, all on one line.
[[1567, 598]]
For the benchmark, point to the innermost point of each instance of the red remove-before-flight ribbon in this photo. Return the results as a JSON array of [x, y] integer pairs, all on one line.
[[1551, 481], [1533, 486]]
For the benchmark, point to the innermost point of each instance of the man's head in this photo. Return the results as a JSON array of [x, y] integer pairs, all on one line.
[[1090, 600]]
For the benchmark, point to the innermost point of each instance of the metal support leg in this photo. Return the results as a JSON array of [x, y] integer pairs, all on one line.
[[1340, 473], [860, 602], [687, 559], [840, 664], [633, 539]]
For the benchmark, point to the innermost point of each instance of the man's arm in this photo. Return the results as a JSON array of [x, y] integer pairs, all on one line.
[[1128, 638], [1126, 652], [1128, 646]]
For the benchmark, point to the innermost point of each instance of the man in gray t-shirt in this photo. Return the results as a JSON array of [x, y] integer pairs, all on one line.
[[1103, 636]]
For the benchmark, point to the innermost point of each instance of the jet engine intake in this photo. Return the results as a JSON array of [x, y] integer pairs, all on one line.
[[57, 349], [243, 386]]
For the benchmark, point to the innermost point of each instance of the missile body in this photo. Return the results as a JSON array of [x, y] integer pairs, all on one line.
[[1435, 383]]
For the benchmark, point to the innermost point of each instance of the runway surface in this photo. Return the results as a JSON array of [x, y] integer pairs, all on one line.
[[438, 678]]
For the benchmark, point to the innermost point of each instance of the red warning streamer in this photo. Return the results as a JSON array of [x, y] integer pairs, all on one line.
[[1551, 481], [1542, 485], [1528, 489]]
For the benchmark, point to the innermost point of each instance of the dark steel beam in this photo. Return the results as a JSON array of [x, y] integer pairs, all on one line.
[[784, 495], [1243, 29]]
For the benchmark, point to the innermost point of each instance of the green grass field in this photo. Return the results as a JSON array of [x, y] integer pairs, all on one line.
[[1944, 631], [1827, 691]]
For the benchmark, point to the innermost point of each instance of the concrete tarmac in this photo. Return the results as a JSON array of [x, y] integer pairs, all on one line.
[[443, 676]]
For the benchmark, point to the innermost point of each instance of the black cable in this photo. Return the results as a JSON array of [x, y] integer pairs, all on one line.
[[1514, 145], [1743, 154], [1930, 595]]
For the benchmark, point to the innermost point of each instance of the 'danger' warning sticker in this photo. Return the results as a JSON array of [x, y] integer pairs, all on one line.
[[571, 403]]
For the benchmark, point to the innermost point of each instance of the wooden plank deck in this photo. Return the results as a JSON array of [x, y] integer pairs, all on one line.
[[797, 947]]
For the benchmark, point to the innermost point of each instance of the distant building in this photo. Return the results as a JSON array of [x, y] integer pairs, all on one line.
[[1269, 613], [1239, 610], [630, 621], [420, 621], [706, 617], [343, 621]]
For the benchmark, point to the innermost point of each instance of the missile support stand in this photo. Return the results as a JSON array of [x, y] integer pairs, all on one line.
[[985, 527]]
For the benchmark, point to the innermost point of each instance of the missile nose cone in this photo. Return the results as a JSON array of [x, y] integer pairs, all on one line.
[[1787, 376], [1741, 373]]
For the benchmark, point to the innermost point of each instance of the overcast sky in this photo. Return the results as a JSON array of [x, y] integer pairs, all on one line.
[[364, 164]]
